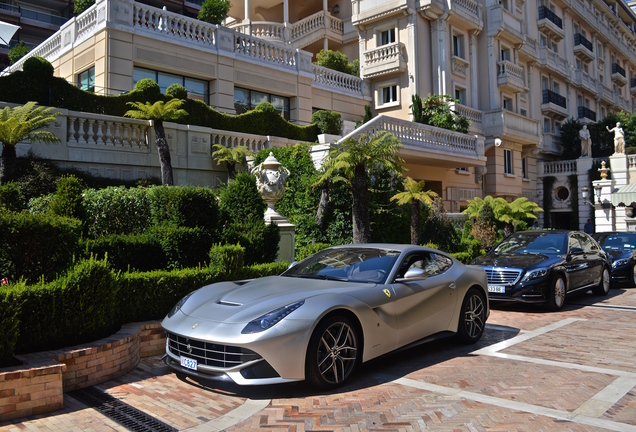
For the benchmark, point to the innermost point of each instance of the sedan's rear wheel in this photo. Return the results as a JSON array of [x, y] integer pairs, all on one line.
[[333, 352], [472, 319], [604, 285], [556, 297]]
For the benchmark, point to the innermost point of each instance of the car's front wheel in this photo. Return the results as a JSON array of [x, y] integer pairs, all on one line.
[[333, 352], [604, 285], [556, 297], [472, 318]]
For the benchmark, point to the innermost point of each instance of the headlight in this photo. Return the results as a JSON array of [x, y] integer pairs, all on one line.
[[620, 262], [179, 305], [536, 273], [270, 319]]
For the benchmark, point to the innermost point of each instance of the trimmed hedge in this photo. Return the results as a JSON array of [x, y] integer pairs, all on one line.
[[151, 295], [10, 303], [117, 210], [79, 307], [34, 246], [182, 246], [187, 206], [140, 252], [227, 260], [36, 84]]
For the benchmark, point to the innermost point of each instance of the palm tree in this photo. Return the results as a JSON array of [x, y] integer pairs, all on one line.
[[230, 157], [509, 214], [351, 162], [159, 112], [414, 195], [22, 123]]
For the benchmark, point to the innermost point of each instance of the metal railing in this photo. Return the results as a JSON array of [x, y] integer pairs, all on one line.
[[585, 112], [550, 96], [616, 68], [545, 13], [579, 39]]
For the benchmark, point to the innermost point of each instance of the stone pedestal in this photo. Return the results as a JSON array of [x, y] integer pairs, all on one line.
[[619, 169], [583, 166], [604, 212]]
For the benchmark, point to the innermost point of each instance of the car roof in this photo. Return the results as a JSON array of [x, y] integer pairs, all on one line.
[[393, 246]]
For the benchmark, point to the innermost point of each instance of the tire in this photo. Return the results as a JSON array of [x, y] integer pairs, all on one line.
[[604, 285], [472, 317], [556, 296], [333, 353]]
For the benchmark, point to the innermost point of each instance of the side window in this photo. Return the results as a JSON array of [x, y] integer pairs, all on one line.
[[433, 264], [573, 242], [586, 242], [443, 262]]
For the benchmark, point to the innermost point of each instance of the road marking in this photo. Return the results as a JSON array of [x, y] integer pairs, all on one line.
[[574, 417]]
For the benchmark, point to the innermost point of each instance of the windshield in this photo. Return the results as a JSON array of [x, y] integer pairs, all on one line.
[[617, 241], [347, 264], [528, 242]]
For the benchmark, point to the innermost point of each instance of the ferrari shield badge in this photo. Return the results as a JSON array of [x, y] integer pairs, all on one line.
[[387, 292]]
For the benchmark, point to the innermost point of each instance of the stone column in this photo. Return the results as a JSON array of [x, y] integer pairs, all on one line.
[[439, 42], [286, 36], [474, 83], [583, 166], [604, 213]]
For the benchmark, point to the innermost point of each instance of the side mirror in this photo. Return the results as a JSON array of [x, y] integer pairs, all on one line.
[[488, 249], [576, 251], [413, 274]]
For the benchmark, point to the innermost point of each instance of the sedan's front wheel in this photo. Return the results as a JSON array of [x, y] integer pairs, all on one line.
[[557, 294], [333, 352], [472, 319]]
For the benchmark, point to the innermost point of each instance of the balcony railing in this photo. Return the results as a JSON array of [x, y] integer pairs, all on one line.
[[550, 96], [42, 17], [384, 59], [545, 13], [616, 68], [9, 8], [585, 112], [424, 137], [579, 39], [559, 167]]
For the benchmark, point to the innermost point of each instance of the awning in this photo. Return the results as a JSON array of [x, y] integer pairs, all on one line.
[[6, 32], [625, 196]]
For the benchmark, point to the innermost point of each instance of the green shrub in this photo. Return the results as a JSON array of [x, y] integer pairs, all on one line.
[[79, 307], [265, 107], [35, 246], [227, 260], [259, 240], [38, 67], [184, 206], [81, 5], [11, 197], [116, 210], [328, 122], [149, 86], [151, 295], [310, 249], [10, 305], [261, 270], [214, 11], [240, 199], [183, 246], [40, 205], [177, 91], [17, 52], [140, 252], [67, 201], [337, 61]]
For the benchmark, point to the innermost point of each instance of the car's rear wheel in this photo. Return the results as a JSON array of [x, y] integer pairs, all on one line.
[[333, 352], [472, 318], [556, 298], [604, 285]]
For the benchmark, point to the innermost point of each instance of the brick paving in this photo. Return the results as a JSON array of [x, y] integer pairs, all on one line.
[[533, 370]]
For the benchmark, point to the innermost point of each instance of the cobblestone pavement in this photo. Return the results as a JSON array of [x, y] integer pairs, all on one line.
[[533, 370]]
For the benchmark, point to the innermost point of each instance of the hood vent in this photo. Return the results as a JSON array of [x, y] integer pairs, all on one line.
[[228, 303]]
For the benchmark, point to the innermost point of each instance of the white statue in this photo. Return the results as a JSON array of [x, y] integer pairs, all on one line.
[[586, 142], [619, 138], [271, 177]]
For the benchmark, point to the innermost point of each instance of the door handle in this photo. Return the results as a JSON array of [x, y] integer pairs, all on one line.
[[452, 285]]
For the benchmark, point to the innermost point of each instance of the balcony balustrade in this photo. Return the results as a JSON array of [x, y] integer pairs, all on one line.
[[509, 125], [550, 24], [618, 75], [551, 144], [586, 114], [553, 61], [583, 79], [583, 48], [505, 24], [384, 60], [510, 77], [553, 104], [423, 142]]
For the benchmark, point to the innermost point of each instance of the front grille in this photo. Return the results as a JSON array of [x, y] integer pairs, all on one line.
[[502, 276], [209, 353]]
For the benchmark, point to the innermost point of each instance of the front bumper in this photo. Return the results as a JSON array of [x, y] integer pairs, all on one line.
[[532, 291]]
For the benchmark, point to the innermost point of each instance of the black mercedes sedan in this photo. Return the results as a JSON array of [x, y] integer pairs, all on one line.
[[545, 266], [621, 246]]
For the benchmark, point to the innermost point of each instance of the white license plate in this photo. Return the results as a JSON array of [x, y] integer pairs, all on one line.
[[496, 289], [188, 363]]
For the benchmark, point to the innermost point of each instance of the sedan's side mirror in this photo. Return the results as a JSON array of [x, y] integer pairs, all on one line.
[[413, 274], [488, 249], [576, 251]]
